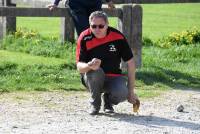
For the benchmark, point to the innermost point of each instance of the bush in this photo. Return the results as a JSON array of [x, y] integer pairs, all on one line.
[[184, 38], [147, 41], [26, 34]]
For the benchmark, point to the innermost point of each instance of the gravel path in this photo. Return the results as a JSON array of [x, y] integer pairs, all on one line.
[[62, 112]]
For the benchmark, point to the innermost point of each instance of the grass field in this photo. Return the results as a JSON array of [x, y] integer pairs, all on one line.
[[24, 72], [158, 20], [162, 69], [21, 71], [162, 19], [174, 66]]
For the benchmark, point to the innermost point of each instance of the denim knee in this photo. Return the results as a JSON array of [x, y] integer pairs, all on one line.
[[95, 75], [119, 95]]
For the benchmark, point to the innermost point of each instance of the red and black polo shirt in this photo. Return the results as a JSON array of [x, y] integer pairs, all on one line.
[[110, 49]]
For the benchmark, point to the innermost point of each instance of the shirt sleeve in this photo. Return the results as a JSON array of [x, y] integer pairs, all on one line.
[[81, 51], [125, 51], [56, 2]]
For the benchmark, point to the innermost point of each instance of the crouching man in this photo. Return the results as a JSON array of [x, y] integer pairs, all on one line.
[[100, 49]]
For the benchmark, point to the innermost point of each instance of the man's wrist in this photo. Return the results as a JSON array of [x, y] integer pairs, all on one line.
[[89, 65], [131, 90]]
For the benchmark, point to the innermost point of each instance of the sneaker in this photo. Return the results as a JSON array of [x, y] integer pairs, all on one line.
[[107, 105], [94, 111], [108, 109]]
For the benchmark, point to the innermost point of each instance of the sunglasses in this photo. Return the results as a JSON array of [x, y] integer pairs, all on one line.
[[99, 26]]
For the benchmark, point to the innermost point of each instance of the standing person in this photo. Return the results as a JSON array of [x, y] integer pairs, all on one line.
[[100, 49], [81, 10]]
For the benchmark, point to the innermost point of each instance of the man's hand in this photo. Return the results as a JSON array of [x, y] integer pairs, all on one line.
[[111, 5], [52, 7], [94, 64], [132, 98]]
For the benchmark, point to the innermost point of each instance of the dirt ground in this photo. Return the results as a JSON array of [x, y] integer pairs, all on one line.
[[61, 112]]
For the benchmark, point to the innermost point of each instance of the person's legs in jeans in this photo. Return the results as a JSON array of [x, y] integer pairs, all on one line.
[[115, 91], [80, 12], [80, 17], [94, 81]]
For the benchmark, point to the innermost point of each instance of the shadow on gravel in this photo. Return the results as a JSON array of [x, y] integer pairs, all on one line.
[[153, 121]]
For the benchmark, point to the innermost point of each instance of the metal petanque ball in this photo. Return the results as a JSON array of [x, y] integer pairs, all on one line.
[[180, 108]]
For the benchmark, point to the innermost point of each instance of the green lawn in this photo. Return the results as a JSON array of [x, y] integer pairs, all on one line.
[[175, 66], [46, 26], [26, 72], [162, 19], [162, 69], [21, 71]]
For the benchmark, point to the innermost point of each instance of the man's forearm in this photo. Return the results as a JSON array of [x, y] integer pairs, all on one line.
[[131, 75]]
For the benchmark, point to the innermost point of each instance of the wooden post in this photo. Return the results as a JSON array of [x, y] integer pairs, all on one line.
[[9, 23], [1, 21], [67, 28], [124, 25], [130, 24], [136, 33]]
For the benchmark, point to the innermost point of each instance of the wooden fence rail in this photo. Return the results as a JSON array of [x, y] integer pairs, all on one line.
[[44, 12], [129, 23]]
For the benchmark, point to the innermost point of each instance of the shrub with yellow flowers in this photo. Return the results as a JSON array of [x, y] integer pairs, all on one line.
[[183, 38], [25, 33]]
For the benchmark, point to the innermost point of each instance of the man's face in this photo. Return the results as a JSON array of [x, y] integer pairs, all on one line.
[[98, 27]]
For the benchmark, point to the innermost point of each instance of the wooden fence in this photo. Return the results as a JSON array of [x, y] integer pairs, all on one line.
[[129, 23]]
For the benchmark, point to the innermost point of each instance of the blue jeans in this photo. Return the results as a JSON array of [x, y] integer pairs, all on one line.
[[97, 82]]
